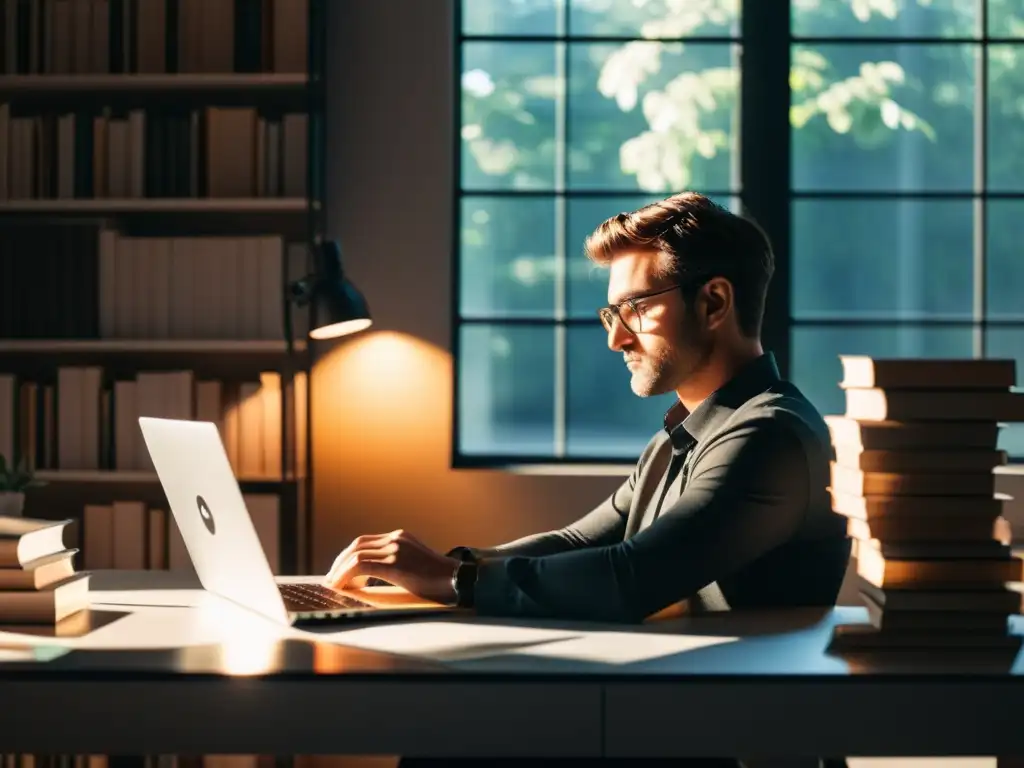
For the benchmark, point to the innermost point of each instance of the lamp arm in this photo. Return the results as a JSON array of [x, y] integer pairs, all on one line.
[[301, 291]]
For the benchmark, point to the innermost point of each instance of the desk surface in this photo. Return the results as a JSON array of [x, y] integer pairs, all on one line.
[[161, 623], [525, 688]]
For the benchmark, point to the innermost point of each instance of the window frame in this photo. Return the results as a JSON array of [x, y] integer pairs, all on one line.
[[764, 188]]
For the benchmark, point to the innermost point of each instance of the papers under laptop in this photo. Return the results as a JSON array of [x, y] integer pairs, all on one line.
[[207, 505]]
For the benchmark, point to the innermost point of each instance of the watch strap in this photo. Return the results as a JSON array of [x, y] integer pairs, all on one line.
[[464, 584]]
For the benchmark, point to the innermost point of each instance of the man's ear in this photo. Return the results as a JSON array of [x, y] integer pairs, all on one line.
[[718, 299]]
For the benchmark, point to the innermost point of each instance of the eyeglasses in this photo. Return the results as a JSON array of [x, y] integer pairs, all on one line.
[[627, 311]]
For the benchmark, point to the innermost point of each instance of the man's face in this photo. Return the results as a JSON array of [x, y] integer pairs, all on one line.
[[665, 342]]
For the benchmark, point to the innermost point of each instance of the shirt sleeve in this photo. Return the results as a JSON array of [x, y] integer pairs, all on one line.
[[603, 525], [747, 493]]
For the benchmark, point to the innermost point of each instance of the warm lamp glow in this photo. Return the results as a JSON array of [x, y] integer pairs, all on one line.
[[345, 327]]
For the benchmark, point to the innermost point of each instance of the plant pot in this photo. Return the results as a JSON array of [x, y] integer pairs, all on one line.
[[11, 503]]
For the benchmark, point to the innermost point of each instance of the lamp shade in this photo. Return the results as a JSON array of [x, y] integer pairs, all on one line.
[[340, 308]]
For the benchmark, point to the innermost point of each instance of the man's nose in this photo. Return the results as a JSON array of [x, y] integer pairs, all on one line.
[[618, 336]]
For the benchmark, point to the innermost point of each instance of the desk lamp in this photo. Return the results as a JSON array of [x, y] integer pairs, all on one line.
[[340, 309]]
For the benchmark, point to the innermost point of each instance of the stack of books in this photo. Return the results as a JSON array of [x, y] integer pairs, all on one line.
[[39, 586], [913, 471]]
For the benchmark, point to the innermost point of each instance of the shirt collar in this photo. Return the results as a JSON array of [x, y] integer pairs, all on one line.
[[685, 428]]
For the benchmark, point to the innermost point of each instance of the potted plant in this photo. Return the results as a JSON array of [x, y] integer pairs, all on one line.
[[14, 481]]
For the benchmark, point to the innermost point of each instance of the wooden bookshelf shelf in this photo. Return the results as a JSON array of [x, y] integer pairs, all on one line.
[[226, 89], [148, 346], [117, 83], [131, 476], [177, 206]]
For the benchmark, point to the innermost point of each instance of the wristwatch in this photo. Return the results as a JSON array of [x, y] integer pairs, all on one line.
[[464, 584]]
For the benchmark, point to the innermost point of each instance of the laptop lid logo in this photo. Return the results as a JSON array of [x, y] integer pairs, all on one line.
[[204, 512]]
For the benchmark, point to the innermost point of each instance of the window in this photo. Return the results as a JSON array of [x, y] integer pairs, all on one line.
[[880, 143]]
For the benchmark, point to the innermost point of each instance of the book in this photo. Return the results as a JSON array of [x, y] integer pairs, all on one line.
[[856, 482], [863, 371], [861, 637], [918, 461], [48, 605], [877, 404], [901, 435], [1008, 600], [896, 620], [923, 529], [860, 507], [938, 550], [39, 573], [23, 539], [937, 573]]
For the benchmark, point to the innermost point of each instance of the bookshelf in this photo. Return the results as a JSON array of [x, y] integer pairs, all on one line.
[[159, 185]]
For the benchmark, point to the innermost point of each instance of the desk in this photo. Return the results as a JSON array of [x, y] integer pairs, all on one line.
[[178, 671]]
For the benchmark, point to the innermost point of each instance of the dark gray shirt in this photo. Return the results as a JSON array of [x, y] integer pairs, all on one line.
[[727, 507]]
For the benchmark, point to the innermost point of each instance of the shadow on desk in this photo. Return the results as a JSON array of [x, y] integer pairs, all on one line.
[[76, 625]]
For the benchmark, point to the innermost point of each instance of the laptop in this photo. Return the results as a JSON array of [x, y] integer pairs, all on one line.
[[207, 505]]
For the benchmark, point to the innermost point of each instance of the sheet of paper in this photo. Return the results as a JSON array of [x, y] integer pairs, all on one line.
[[444, 640], [621, 647]]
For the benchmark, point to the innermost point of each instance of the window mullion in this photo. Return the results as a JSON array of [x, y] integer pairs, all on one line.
[[561, 351], [765, 152]]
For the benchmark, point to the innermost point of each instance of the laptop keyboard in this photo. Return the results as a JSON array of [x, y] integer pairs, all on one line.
[[316, 597]]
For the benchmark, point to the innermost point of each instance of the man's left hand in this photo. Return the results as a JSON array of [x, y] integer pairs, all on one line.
[[400, 559]]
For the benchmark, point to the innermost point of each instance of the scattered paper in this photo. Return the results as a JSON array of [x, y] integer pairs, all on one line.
[[444, 641]]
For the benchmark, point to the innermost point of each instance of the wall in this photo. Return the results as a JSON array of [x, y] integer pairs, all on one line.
[[382, 401]]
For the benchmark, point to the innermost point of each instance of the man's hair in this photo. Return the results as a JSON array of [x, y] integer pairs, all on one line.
[[694, 240]]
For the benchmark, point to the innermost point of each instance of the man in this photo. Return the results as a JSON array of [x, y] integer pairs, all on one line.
[[727, 506]]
